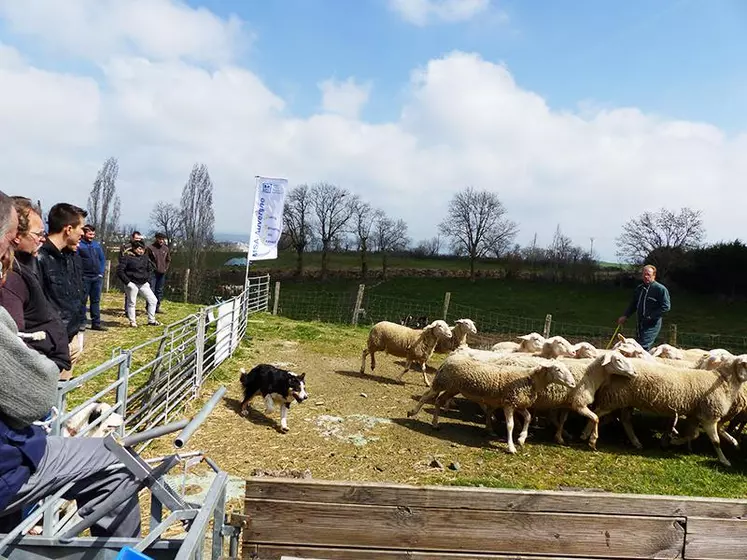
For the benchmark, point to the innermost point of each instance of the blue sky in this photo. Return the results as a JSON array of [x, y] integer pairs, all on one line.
[[679, 58], [577, 114]]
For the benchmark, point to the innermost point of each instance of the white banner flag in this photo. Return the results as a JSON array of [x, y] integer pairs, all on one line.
[[267, 219]]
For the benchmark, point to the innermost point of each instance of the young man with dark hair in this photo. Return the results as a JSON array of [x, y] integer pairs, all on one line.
[[60, 269], [93, 260], [126, 249], [134, 270], [160, 256]]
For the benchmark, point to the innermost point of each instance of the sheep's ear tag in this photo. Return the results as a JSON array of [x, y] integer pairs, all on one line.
[[607, 359], [620, 337]]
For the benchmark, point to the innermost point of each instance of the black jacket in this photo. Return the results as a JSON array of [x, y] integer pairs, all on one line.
[[38, 314], [61, 279], [135, 269]]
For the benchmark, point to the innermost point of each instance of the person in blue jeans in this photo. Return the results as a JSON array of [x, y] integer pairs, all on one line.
[[160, 256], [94, 266]]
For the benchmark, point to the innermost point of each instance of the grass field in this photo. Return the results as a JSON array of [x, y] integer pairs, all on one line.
[[589, 304], [350, 260]]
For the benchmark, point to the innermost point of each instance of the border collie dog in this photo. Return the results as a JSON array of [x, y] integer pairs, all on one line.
[[276, 385]]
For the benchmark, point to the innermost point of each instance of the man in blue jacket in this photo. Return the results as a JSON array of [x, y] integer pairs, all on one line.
[[94, 268], [650, 301]]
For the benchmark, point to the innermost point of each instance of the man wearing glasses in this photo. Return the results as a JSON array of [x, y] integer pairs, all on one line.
[[22, 294]]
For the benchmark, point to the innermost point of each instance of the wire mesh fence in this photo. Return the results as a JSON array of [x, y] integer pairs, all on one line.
[[735, 344], [493, 326], [326, 307]]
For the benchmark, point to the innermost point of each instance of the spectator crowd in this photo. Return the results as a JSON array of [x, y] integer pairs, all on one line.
[[51, 278]]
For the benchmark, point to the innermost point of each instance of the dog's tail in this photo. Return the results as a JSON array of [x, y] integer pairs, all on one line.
[[243, 375]]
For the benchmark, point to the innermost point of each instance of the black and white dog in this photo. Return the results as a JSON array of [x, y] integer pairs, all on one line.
[[276, 385]]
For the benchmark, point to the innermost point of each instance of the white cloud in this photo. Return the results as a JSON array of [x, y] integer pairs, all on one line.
[[344, 98], [423, 12], [465, 122], [98, 29]]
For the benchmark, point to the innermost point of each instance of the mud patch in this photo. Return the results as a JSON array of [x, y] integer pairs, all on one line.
[[351, 429]]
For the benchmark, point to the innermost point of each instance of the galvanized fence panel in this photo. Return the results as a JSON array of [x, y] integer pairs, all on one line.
[[151, 383]]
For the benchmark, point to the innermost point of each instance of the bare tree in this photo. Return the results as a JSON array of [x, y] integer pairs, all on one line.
[[389, 236], [428, 247], [362, 227], [332, 211], [165, 218], [660, 236], [476, 225], [196, 215], [297, 222], [103, 202], [561, 249]]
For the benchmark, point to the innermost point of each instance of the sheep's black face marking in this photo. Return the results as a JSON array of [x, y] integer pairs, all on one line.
[[95, 415]]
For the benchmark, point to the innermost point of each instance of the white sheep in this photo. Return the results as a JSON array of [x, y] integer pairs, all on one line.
[[706, 396], [713, 359], [459, 332], [590, 375], [494, 386], [584, 350], [557, 346], [667, 351], [530, 343], [693, 354], [404, 342], [88, 415]]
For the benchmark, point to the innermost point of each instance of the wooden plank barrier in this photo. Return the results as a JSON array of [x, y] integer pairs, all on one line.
[[323, 520]]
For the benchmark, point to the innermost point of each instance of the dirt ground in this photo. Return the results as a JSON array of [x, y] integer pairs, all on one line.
[[352, 427]]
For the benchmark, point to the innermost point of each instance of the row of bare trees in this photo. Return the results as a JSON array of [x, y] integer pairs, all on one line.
[[189, 227], [325, 213], [326, 216]]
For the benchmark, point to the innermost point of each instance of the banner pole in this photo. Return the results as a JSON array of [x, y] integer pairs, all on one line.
[[249, 244]]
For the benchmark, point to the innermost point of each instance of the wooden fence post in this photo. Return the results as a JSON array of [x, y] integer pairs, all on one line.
[[186, 286], [277, 298], [673, 334], [548, 324], [107, 274], [447, 299], [358, 303]]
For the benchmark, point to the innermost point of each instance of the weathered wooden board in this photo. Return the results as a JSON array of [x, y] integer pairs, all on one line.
[[274, 552], [716, 539], [462, 530], [492, 499]]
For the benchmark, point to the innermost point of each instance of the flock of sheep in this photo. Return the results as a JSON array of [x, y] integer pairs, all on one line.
[[550, 375]]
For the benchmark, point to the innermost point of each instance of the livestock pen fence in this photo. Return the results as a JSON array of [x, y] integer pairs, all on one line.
[[365, 308], [149, 385]]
